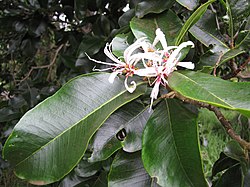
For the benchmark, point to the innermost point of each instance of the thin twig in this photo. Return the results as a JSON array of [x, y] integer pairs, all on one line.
[[225, 123], [44, 66], [217, 64], [236, 71], [169, 95]]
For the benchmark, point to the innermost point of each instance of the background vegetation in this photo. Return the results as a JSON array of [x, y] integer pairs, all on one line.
[[44, 44]]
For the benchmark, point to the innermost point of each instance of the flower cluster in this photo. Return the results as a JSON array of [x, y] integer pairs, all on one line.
[[157, 63]]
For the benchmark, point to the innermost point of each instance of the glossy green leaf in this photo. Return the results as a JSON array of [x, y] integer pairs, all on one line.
[[243, 40], [237, 11], [119, 44], [210, 59], [129, 122], [232, 53], [223, 163], [73, 180], [127, 170], [80, 8], [87, 169], [90, 45], [50, 139], [152, 6], [189, 4], [168, 21], [205, 30], [232, 177], [84, 173], [170, 149], [192, 20], [7, 114], [126, 18], [235, 151], [213, 90]]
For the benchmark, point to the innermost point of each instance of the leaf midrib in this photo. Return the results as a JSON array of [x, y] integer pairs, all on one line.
[[227, 105], [175, 146], [66, 130], [211, 35]]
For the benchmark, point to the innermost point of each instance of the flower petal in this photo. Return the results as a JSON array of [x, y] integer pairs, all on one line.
[[174, 54], [155, 91], [132, 88], [160, 36], [113, 76], [188, 65], [108, 53], [146, 72], [128, 52], [147, 55]]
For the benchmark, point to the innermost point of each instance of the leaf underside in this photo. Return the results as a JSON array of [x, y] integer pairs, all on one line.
[[50, 139]]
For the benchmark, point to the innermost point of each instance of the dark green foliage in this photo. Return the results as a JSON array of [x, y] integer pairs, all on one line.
[[93, 133]]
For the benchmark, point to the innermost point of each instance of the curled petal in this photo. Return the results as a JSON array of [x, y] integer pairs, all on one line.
[[175, 53], [108, 53], [128, 52], [132, 88], [142, 56], [188, 65], [113, 76]]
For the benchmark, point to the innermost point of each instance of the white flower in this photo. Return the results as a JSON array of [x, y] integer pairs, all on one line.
[[158, 63], [119, 67], [163, 63]]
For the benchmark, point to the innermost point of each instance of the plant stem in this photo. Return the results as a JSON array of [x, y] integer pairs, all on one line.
[[224, 122], [235, 72]]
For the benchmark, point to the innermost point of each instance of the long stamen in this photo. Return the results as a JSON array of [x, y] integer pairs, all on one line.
[[108, 53], [100, 62], [94, 69]]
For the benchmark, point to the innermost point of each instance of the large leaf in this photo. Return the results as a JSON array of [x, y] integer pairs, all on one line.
[[129, 122], [237, 11], [73, 180], [243, 39], [223, 163], [192, 20], [210, 59], [235, 151], [120, 43], [232, 177], [168, 21], [152, 6], [231, 54], [90, 45], [50, 139], [170, 149], [213, 90], [205, 30], [244, 43], [127, 170]]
